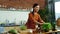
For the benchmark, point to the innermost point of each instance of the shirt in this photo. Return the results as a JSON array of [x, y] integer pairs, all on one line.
[[31, 22]]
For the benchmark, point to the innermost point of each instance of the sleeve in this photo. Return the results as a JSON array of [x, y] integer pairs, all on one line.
[[39, 19]]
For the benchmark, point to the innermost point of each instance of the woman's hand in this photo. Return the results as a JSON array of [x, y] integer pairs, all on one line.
[[40, 23]]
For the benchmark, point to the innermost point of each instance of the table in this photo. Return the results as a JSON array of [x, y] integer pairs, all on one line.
[[51, 32]]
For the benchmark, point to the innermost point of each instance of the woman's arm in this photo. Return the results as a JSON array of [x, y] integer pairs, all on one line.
[[40, 21]]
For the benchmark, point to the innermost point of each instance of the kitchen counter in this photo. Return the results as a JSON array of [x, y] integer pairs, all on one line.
[[27, 31]]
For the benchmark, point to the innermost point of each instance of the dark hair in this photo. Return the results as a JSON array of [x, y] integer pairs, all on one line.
[[34, 5]]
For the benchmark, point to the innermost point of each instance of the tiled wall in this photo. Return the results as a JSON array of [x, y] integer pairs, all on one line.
[[13, 16]]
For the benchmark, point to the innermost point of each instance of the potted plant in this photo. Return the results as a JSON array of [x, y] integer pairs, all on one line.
[[44, 13], [46, 27]]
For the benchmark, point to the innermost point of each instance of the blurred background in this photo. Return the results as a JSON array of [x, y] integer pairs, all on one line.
[[17, 10]]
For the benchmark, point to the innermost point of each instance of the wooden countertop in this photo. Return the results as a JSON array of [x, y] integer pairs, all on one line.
[[27, 31]]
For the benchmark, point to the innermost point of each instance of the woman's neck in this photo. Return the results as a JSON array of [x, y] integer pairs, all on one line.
[[35, 13]]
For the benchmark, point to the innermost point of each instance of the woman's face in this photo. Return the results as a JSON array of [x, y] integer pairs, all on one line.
[[36, 8]]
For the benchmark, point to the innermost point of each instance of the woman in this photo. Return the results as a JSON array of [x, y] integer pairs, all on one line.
[[34, 18]]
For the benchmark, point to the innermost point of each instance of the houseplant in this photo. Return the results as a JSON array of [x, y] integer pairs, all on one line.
[[46, 27], [44, 13]]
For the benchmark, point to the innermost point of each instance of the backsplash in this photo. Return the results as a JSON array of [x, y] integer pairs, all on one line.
[[13, 16]]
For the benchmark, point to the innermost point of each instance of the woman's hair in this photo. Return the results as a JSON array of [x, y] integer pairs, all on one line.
[[34, 5]]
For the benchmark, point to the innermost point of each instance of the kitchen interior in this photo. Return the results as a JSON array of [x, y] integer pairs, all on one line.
[[14, 15]]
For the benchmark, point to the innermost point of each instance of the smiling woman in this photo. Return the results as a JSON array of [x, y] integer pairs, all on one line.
[[34, 18]]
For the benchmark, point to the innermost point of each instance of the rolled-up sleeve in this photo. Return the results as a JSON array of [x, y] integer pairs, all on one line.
[[39, 19]]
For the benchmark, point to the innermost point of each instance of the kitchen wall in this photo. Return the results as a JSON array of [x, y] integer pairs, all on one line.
[[13, 16], [57, 9]]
